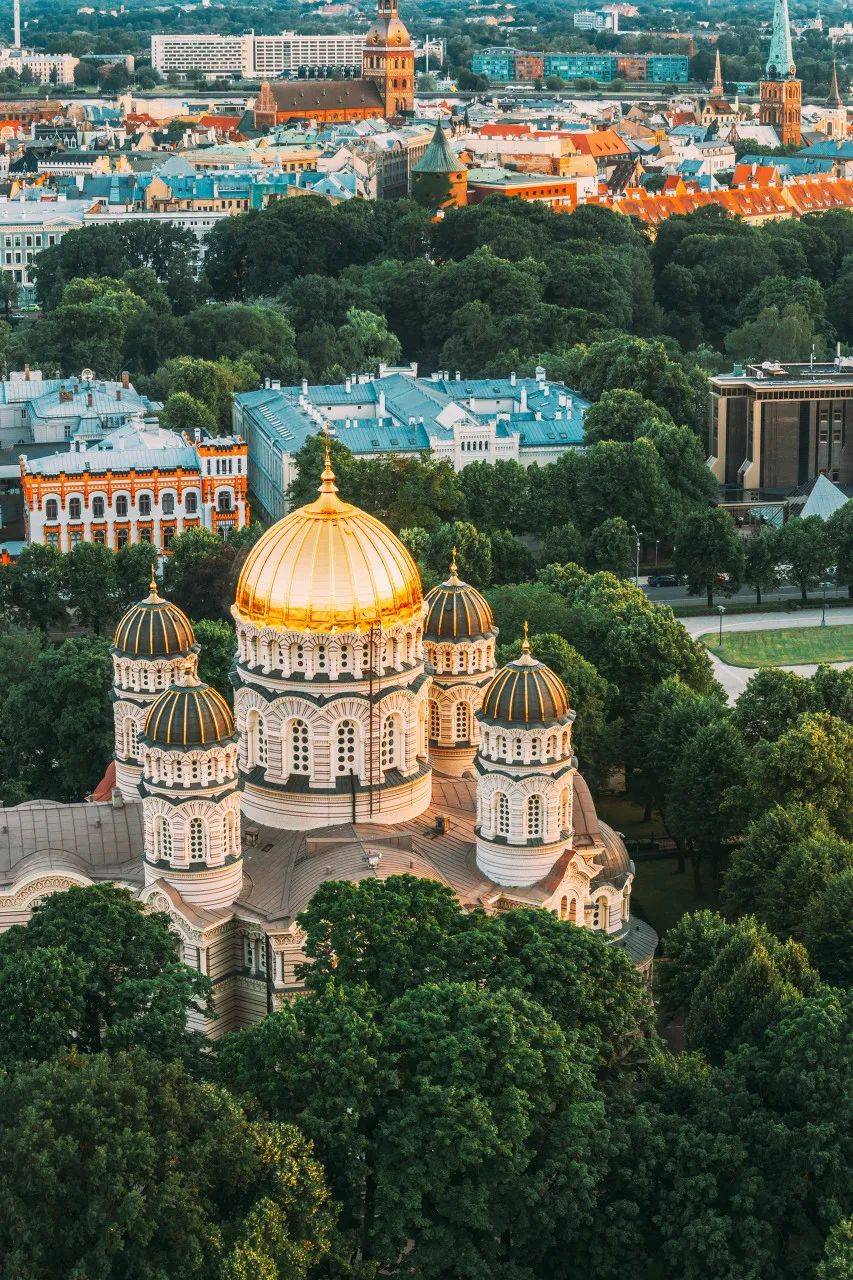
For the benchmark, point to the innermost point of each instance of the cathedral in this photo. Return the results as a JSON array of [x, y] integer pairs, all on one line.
[[781, 92], [386, 87], [372, 735]]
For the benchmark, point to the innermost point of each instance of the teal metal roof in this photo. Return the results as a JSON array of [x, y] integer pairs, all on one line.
[[824, 499], [439, 156]]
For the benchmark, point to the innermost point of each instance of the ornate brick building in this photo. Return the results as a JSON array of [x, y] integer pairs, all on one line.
[[781, 91]]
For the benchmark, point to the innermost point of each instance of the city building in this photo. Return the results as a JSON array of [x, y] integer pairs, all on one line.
[[386, 87], [509, 64], [606, 19], [774, 427], [781, 91], [45, 68], [559, 194], [834, 121], [53, 411], [325, 771], [252, 56], [461, 420], [27, 227], [137, 483]]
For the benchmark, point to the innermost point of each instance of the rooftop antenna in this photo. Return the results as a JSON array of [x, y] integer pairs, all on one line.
[[17, 13]]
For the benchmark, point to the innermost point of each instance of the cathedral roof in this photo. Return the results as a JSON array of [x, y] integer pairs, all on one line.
[[526, 692], [153, 628], [328, 567], [189, 714], [457, 611], [302, 97]]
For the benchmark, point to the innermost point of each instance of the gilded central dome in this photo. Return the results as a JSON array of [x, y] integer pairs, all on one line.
[[328, 567]]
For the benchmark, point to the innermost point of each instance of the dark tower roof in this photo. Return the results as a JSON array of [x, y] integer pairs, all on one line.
[[439, 156], [153, 628], [189, 714], [457, 611], [526, 692]]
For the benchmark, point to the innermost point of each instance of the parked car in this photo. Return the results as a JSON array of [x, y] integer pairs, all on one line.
[[664, 580]]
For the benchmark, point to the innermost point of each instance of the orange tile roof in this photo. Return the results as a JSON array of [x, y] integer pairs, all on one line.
[[601, 143], [219, 122], [811, 196], [506, 131]]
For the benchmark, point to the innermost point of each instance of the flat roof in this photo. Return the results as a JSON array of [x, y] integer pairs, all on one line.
[[772, 376]]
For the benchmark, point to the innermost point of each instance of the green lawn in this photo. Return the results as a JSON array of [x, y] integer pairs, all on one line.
[[783, 647]]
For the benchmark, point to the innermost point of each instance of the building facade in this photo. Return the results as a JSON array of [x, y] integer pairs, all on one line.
[[776, 427], [781, 91]]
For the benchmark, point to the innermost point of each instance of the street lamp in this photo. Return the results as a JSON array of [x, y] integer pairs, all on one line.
[[721, 609], [637, 569], [825, 587]]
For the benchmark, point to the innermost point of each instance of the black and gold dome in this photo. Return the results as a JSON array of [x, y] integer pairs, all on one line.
[[189, 714], [457, 611], [154, 628], [526, 692]]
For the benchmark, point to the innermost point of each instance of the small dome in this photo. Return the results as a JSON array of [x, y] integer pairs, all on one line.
[[457, 611], [154, 628], [328, 567], [189, 714], [526, 692], [388, 31]]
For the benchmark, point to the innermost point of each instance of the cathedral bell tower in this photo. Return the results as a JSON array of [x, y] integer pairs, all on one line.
[[389, 60], [781, 91]]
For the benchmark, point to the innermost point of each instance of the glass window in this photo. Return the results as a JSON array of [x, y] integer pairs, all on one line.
[[51, 509], [434, 720], [98, 508], [121, 507], [191, 503], [168, 504], [145, 504], [197, 840], [390, 741], [75, 508], [346, 740], [462, 721], [501, 803], [534, 816], [300, 755], [163, 837]]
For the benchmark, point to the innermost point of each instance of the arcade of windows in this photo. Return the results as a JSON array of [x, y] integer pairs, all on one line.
[[144, 506], [194, 841]]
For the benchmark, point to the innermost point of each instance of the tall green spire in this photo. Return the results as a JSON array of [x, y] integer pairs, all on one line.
[[780, 64]]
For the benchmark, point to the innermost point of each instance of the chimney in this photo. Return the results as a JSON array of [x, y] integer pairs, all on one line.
[[348, 385], [197, 435], [380, 408], [458, 376], [523, 405], [512, 379], [305, 386], [125, 379]]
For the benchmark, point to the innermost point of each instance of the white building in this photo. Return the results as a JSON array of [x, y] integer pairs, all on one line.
[[45, 68], [251, 56], [606, 19], [27, 227]]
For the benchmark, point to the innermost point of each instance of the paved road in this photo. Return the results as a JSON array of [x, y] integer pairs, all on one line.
[[678, 595], [735, 679]]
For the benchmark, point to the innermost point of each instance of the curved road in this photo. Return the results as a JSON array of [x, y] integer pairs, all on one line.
[[735, 679]]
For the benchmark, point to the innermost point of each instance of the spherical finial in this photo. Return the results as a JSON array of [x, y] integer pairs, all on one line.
[[152, 586]]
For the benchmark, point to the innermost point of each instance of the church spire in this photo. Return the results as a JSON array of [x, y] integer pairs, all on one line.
[[780, 63], [717, 90], [835, 98]]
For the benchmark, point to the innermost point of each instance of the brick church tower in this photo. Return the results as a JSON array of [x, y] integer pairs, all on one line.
[[781, 91], [389, 60]]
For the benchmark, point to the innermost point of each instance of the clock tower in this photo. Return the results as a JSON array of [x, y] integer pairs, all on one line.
[[781, 91], [389, 60]]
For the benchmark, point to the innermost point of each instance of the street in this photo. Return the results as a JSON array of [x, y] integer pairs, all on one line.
[[735, 679], [679, 595]]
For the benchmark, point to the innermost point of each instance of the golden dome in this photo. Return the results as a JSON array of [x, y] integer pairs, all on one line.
[[328, 567]]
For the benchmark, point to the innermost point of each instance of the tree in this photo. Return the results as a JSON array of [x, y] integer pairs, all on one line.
[[42, 998], [756, 857], [624, 480], [473, 551], [788, 328], [365, 342], [33, 585], [611, 547], [699, 806], [135, 565], [511, 560], [804, 869], [690, 948], [211, 383], [118, 973], [563, 544], [198, 573], [706, 546], [114, 1144], [496, 494], [645, 367], [761, 561], [89, 574], [259, 335], [806, 549], [62, 701], [772, 702], [216, 658], [826, 929], [621, 415], [811, 763], [839, 530], [183, 413], [9, 292], [837, 1261]]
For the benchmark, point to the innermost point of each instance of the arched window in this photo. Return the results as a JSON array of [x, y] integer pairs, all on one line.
[[534, 816], [191, 503], [197, 840], [121, 507], [162, 838], [223, 501], [257, 740], [75, 509], [564, 810], [573, 911], [550, 747], [168, 504], [98, 508], [390, 751], [51, 509], [131, 738], [195, 770], [600, 914], [145, 504], [343, 658], [626, 904], [434, 720], [346, 744], [564, 908], [501, 814], [299, 750], [322, 658], [230, 834], [462, 722]]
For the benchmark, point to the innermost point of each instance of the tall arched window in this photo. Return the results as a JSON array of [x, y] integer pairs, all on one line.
[[167, 503], [564, 810], [462, 722], [601, 914], [51, 509], [121, 507], [534, 748], [518, 749], [573, 911], [434, 720], [131, 738], [299, 749], [98, 508], [564, 908], [197, 840], [501, 812], [191, 503], [534, 816], [391, 742], [145, 504], [162, 837], [75, 509], [501, 749], [257, 740], [346, 746]]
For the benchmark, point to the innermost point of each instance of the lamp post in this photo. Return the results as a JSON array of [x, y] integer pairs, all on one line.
[[825, 587], [721, 609], [637, 568]]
